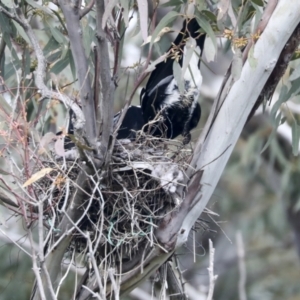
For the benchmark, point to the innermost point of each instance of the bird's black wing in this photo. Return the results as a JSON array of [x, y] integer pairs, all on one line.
[[165, 68], [162, 92], [132, 122]]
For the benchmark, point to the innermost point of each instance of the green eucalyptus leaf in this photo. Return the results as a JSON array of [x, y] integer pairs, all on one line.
[[61, 64], [51, 46], [209, 15], [273, 133], [237, 65], [8, 3], [251, 59], [295, 74], [108, 10], [125, 4], [5, 24], [21, 32], [295, 88], [54, 56], [204, 24], [61, 21], [11, 68], [59, 37], [143, 14], [295, 138], [35, 4], [27, 62], [177, 71], [88, 38], [166, 20], [172, 3], [258, 2], [72, 66], [282, 98]]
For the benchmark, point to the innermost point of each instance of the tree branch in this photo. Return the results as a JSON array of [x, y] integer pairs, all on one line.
[[281, 66], [87, 9], [82, 67], [107, 84], [233, 114]]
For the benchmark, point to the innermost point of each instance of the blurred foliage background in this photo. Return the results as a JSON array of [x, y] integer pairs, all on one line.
[[257, 199]]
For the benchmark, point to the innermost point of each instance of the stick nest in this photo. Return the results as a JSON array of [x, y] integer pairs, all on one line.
[[125, 203]]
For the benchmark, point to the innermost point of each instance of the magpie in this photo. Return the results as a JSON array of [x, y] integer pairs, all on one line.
[[168, 111], [132, 122]]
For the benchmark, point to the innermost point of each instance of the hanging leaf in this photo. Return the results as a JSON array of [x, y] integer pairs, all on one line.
[[51, 46], [21, 32], [162, 32], [282, 98], [88, 38], [204, 24], [237, 65], [35, 4], [5, 24], [258, 2], [295, 74], [172, 3], [177, 71], [38, 175], [27, 62], [143, 12], [11, 68], [251, 59], [188, 53], [295, 88], [166, 20], [61, 64], [152, 66], [108, 9], [8, 3], [208, 14], [59, 37], [223, 7], [125, 5], [72, 65], [295, 138], [209, 50], [54, 57], [273, 133]]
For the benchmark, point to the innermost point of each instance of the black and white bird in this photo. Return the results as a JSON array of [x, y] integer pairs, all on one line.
[[133, 121], [177, 112]]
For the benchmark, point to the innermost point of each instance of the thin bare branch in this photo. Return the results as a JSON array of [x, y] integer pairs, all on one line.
[[242, 266], [212, 277], [87, 9], [107, 84]]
